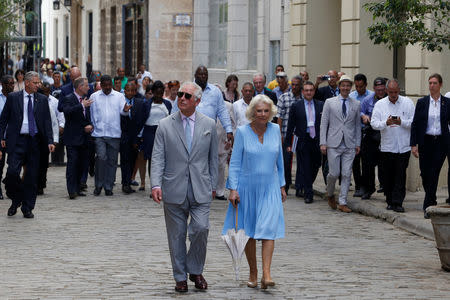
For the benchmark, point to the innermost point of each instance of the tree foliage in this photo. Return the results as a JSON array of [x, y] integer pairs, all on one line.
[[402, 22], [9, 14]]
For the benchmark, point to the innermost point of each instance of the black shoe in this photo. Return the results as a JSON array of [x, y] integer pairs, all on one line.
[[134, 182], [366, 196], [389, 207], [221, 197], [380, 190], [142, 188], [426, 215], [40, 191], [299, 194], [398, 208], [97, 191], [309, 200], [81, 194], [12, 210], [446, 201], [28, 214], [83, 186], [358, 193], [72, 196], [108, 192], [127, 189]]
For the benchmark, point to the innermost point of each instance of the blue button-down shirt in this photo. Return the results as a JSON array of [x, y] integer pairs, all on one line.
[[2, 101], [367, 105], [359, 97], [105, 113], [213, 106], [279, 92]]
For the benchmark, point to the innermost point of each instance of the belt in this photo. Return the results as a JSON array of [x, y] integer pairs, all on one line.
[[434, 137]]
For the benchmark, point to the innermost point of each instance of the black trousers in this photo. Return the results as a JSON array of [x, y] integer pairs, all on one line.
[[128, 155], [43, 165], [324, 168], [287, 158], [58, 155], [2, 164], [26, 152], [77, 156], [356, 168], [394, 167], [371, 157], [309, 160], [431, 158]]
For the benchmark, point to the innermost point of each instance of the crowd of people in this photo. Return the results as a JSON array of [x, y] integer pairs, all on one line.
[[187, 134]]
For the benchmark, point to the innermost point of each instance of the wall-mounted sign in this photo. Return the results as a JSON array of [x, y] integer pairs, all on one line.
[[182, 20]]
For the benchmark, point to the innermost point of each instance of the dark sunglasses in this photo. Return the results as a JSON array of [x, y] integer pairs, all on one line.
[[186, 95]]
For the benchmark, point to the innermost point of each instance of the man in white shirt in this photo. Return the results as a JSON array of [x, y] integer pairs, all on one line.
[[393, 116], [106, 109], [240, 106]]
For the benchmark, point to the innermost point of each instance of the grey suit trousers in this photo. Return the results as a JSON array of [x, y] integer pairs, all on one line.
[[340, 161], [107, 150], [176, 216]]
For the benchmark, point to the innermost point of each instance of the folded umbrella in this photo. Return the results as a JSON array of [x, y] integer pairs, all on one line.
[[236, 241]]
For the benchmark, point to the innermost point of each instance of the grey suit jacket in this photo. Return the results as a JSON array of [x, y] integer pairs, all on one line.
[[334, 127], [172, 163]]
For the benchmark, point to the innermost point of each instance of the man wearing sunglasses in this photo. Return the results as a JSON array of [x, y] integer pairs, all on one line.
[[211, 104], [185, 146]]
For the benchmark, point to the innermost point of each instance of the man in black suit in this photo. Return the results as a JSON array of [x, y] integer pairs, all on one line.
[[25, 120], [430, 137], [259, 82], [75, 107], [329, 91], [130, 126], [304, 121]]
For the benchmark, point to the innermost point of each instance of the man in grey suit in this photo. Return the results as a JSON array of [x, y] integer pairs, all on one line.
[[184, 176], [340, 139]]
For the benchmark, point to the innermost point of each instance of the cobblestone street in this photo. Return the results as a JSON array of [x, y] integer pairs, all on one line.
[[116, 248]]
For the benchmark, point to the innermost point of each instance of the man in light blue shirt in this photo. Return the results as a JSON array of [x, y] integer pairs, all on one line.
[[211, 103], [106, 108], [7, 87], [359, 94]]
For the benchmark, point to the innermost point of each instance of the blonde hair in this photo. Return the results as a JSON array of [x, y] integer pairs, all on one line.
[[250, 112]]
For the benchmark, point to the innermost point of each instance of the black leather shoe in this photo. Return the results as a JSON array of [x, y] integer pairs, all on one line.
[[12, 211], [127, 189], [299, 194], [200, 282], [309, 200], [221, 197], [389, 207], [426, 215], [81, 194], [181, 286], [72, 196], [40, 191], [83, 186], [97, 191], [108, 193], [28, 215], [398, 208], [358, 193]]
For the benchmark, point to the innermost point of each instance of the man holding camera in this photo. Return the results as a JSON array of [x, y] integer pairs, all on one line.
[[329, 91], [393, 116]]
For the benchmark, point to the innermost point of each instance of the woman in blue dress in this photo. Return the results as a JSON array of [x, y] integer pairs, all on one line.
[[256, 184]]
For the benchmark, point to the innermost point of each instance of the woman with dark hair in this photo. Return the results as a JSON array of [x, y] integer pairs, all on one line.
[[20, 83], [158, 108], [231, 84]]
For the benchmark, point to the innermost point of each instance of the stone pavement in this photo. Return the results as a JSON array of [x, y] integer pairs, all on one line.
[[411, 220], [116, 248]]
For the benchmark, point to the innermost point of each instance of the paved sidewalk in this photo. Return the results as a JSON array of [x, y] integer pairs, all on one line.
[[411, 220], [116, 248]]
